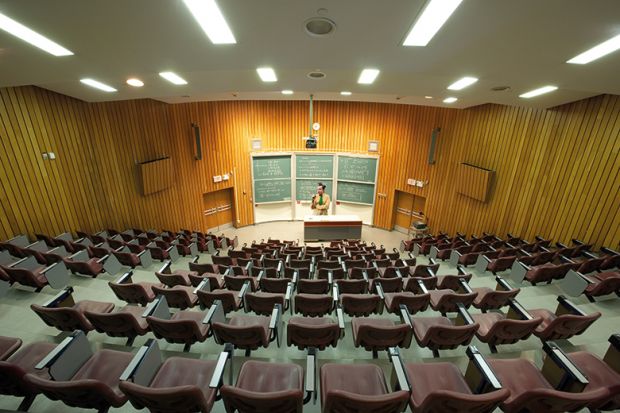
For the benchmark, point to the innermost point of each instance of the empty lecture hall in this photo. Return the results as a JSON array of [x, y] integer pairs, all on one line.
[[351, 206]]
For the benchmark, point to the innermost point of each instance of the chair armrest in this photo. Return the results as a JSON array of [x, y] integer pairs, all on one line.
[[502, 284], [311, 376], [218, 373], [488, 379], [518, 310], [144, 364], [67, 358], [565, 306], [63, 299], [125, 278], [405, 317], [464, 314], [215, 313], [399, 369], [560, 371]]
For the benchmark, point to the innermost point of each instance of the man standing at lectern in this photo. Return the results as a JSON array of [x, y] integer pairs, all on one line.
[[320, 201]]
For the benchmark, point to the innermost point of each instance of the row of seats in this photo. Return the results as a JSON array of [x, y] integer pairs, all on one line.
[[72, 373]]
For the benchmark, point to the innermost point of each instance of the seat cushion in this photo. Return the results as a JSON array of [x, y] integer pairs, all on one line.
[[137, 313], [518, 376], [195, 316], [600, 375], [486, 322], [362, 379], [481, 293], [266, 377], [93, 306], [106, 366], [252, 321], [422, 324], [546, 315], [430, 377]]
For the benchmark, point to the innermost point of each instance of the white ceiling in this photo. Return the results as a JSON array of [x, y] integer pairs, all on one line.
[[518, 43]]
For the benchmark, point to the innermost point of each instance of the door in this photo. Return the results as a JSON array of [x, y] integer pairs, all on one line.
[[218, 209]]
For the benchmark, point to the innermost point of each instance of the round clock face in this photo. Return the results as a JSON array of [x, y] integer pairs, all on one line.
[[316, 126]]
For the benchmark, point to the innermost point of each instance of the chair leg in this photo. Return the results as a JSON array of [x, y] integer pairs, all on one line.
[[26, 403], [186, 347], [493, 348], [590, 298], [130, 341], [248, 352], [435, 353], [104, 409], [375, 354]]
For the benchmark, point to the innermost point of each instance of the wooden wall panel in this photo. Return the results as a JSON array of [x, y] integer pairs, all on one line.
[[557, 170]]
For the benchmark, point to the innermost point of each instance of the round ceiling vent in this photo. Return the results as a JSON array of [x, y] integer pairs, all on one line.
[[500, 88], [319, 26], [316, 74]]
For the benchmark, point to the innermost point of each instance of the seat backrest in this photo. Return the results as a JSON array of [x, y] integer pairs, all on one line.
[[352, 286], [201, 268], [89, 394], [13, 370], [422, 270], [171, 279], [567, 325], [448, 302], [510, 331], [243, 337], [274, 285], [187, 398], [25, 277], [227, 297], [608, 285], [552, 401], [389, 285], [346, 402], [446, 337], [381, 337], [313, 305], [117, 324], [239, 400], [313, 286], [235, 282], [62, 318], [440, 400], [496, 299], [176, 331], [176, 298], [360, 304], [263, 303], [222, 260], [132, 293]]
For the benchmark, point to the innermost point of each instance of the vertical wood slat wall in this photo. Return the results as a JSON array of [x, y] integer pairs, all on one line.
[[557, 170]]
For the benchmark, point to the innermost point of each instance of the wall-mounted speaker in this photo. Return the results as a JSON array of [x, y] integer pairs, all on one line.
[[431, 151], [197, 145]]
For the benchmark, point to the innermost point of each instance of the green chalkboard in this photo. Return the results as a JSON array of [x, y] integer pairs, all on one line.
[[306, 188], [271, 167], [272, 190], [357, 169], [356, 192], [314, 166]]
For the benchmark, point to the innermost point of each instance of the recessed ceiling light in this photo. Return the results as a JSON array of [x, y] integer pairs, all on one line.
[[173, 78], [539, 91], [597, 51], [28, 35], [267, 74], [368, 76], [463, 83], [135, 82], [345, 93], [450, 100], [430, 21], [210, 18], [428, 97], [97, 85], [287, 92]]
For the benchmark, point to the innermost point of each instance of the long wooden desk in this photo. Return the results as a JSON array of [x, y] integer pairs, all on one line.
[[332, 227]]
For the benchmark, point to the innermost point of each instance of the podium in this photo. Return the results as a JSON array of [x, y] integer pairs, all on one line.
[[332, 227]]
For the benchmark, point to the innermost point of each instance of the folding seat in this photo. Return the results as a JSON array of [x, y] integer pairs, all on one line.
[[63, 313], [179, 296], [441, 387], [133, 293], [496, 261], [183, 327], [80, 263], [313, 305], [223, 261], [412, 302], [28, 272], [567, 321], [438, 333], [274, 285], [612, 259], [604, 283], [14, 368], [498, 328], [444, 252], [592, 264], [313, 286], [544, 273], [558, 387], [366, 273], [80, 378], [352, 286], [307, 264], [494, 299], [235, 282], [171, 278], [425, 270], [116, 243], [160, 253], [262, 303], [446, 300], [601, 373], [130, 259], [8, 346], [126, 322], [375, 334], [352, 388], [390, 283], [578, 248], [451, 281], [469, 258], [318, 332], [248, 332], [230, 300], [331, 273], [360, 305], [49, 241], [175, 385]]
